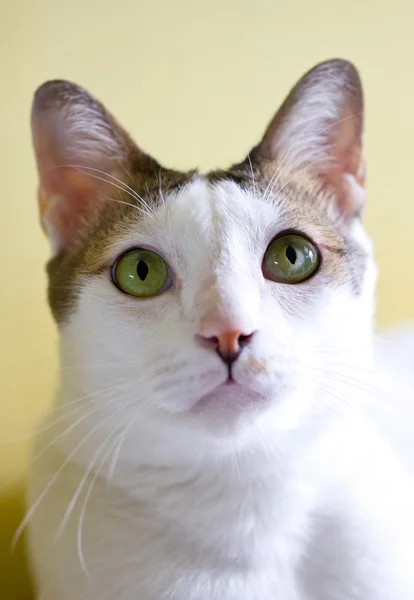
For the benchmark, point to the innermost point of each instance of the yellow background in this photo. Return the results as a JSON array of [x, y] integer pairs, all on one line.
[[195, 81]]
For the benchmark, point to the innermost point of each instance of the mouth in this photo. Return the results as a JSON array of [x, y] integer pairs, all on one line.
[[229, 397], [230, 379]]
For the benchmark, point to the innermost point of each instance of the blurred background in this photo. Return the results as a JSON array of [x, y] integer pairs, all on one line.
[[195, 81]]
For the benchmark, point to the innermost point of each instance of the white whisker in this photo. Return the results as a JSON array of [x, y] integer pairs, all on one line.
[[296, 175], [253, 177], [79, 488], [149, 193], [49, 425], [71, 427], [125, 187], [138, 208], [334, 393], [85, 504], [69, 457], [117, 450], [352, 382]]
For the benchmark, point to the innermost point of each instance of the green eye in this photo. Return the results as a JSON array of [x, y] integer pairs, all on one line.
[[141, 273], [290, 258]]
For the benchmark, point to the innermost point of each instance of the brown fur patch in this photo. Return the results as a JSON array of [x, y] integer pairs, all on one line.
[[311, 207], [256, 365], [85, 258], [308, 207]]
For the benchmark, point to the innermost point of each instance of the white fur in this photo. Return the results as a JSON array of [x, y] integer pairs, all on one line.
[[282, 489]]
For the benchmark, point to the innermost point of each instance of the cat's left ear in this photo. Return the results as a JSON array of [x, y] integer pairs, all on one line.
[[318, 129]]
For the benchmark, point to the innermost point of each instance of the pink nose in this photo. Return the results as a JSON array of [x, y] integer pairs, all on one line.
[[228, 344]]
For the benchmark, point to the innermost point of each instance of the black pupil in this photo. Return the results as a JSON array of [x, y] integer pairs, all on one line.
[[142, 270], [291, 254]]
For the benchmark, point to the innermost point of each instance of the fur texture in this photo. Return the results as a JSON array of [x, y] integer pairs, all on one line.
[[153, 476]]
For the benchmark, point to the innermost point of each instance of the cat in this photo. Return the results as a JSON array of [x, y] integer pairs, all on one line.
[[215, 432]]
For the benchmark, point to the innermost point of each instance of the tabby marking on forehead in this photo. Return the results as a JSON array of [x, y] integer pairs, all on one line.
[[308, 204], [302, 203]]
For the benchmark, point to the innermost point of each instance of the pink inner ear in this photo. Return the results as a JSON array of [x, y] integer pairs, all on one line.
[[65, 193], [345, 147], [73, 136], [345, 173], [72, 130], [66, 207], [61, 153], [318, 130], [71, 183]]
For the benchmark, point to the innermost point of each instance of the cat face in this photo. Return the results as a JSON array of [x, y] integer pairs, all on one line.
[[207, 307]]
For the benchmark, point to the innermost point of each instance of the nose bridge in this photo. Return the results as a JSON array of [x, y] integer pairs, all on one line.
[[221, 293], [227, 306]]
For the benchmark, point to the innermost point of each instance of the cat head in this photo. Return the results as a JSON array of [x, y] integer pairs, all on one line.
[[199, 307]]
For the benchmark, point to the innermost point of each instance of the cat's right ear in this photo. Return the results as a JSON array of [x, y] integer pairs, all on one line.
[[82, 156]]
